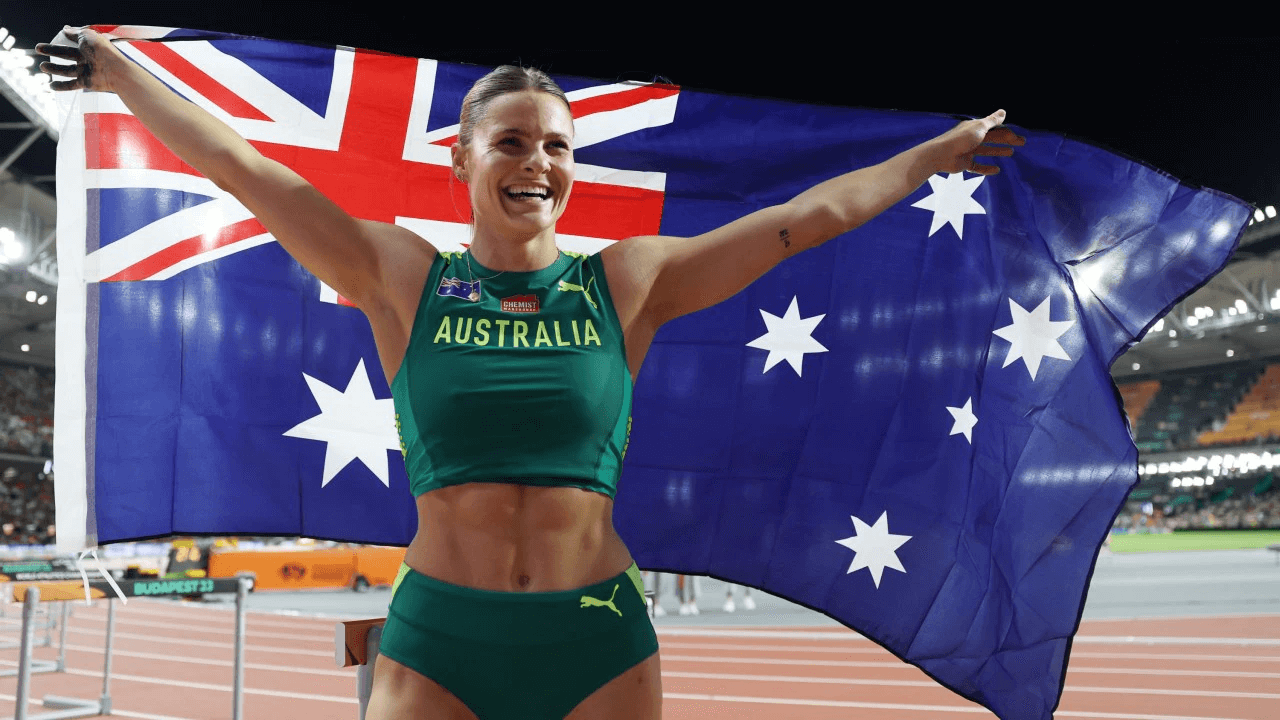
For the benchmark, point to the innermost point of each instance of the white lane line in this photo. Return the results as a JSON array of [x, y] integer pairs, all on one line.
[[212, 615], [207, 643], [877, 650], [743, 633], [973, 709], [214, 686], [216, 663], [1182, 617], [902, 665], [193, 627], [850, 635], [114, 710], [1164, 640], [1177, 656], [932, 684]]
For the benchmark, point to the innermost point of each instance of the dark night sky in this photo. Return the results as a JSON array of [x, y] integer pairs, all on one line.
[[1205, 110]]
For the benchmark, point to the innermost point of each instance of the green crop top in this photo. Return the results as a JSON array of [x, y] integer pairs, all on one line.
[[527, 383]]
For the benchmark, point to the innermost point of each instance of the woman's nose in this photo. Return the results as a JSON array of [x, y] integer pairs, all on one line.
[[537, 162]]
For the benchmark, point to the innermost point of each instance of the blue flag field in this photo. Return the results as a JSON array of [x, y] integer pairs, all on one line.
[[911, 428]]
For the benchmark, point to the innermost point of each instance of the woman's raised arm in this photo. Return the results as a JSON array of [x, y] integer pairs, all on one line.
[[358, 258]]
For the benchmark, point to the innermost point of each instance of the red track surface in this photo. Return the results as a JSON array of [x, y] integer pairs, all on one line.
[[174, 662]]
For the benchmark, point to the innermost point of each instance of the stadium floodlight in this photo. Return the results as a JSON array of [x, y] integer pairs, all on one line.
[[1159, 326], [1193, 321], [1175, 483], [1231, 353], [26, 347], [1173, 333], [1208, 481], [31, 296], [1259, 215], [1137, 366], [10, 247], [27, 88], [1240, 306], [1270, 210], [42, 299]]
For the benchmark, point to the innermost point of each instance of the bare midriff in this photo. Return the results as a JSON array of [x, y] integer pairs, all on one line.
[[516, 538]]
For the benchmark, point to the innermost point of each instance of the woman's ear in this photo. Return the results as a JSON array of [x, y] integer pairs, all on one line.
[[459, 157]]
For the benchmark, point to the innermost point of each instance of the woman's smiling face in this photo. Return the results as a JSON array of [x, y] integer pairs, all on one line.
[[519, 164]]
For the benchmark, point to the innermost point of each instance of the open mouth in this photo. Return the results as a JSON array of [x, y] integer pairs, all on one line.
[[528, 193]]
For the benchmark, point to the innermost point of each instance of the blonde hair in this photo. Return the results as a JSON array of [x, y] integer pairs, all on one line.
[[504, 79]]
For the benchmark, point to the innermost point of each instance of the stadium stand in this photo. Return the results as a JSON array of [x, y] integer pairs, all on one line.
[[1187, 404], [1256, 417], [1137, 396]]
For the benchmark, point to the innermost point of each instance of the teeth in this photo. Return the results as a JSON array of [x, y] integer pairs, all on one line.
[[525, 191]]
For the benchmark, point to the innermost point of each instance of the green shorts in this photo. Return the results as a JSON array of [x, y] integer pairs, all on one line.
[[518, 656]]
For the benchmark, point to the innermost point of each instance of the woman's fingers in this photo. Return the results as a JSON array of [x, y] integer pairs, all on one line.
[[59, 51], [1005, 136], [59, 70], [77, 84], [983, 169], [994, 150]]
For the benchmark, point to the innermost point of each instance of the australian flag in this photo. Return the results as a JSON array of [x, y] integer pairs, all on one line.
[[911, 428]]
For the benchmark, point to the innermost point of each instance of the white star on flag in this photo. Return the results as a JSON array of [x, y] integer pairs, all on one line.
[[354, 423], [1033, 336], [874, 547], [951, 200], [789, 337], [964, 420]]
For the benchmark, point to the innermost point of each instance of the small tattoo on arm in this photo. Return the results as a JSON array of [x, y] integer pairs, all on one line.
[[785, 236]]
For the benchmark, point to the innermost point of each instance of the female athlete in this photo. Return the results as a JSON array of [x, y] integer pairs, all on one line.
[[511, 366]]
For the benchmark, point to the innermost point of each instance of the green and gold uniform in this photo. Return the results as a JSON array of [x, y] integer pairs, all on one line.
[[519, 378]]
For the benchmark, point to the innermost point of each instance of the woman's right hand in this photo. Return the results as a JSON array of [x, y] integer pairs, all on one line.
[[93, 57]]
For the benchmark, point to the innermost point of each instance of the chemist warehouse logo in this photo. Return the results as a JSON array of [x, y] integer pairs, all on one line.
[[520, 304]]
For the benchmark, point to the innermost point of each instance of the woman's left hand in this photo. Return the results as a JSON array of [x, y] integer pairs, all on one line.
[[958, 150]]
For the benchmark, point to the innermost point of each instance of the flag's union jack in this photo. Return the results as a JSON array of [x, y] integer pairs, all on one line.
[[365, 139]]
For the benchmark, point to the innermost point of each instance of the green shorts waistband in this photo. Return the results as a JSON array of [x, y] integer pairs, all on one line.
[[516, 617]]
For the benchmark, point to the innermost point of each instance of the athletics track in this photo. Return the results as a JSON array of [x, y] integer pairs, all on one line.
[[172, 661]]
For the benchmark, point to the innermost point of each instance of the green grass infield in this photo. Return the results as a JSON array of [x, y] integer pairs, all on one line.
[[1195, 540]]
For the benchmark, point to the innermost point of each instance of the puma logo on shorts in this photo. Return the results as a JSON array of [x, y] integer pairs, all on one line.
[[588, 601]]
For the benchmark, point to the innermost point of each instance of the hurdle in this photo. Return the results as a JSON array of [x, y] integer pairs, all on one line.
[[44, 666], [356, 643], [31, 596]]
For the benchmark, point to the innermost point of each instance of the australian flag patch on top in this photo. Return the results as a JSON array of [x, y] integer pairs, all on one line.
[[458, 287]]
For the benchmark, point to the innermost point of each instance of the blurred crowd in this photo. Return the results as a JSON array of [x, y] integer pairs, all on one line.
[[1233, 514], [26, 507], [26, 428], [1242, 513], [26, 411]]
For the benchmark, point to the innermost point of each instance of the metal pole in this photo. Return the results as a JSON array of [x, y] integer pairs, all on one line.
[[364, 673], [62, 638], [22, 147], [29, 603], [105, 701], [237, 694]]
